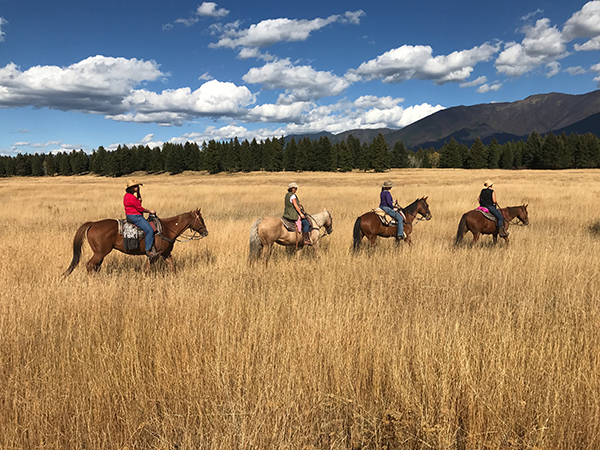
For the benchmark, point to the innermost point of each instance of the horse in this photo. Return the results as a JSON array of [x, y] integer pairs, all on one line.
[[270, 230], [370, 225], [103, 236], [475, 222]]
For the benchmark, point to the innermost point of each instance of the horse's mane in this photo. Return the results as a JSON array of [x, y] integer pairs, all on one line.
[[412, 208]]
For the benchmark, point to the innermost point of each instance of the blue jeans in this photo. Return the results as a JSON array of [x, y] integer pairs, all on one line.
[[305, 225], [497, 214], [396, 215], [144, 225]]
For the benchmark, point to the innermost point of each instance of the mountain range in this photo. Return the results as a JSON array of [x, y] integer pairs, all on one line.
[[543, 113]]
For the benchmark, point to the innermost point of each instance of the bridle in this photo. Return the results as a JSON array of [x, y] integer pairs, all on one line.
[[196, 236]]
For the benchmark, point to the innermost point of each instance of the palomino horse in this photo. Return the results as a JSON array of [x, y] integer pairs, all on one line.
[[475, 222], [103, 236], [370, 225], [270, 230]]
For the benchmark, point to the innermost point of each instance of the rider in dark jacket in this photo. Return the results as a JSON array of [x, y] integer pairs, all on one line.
[[487, 199]]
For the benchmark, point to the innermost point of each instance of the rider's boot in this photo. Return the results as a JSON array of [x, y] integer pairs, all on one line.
[[306, 237], [502, 232], [152, 253]]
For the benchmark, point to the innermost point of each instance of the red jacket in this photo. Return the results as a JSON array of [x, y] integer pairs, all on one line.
[[133, 206]]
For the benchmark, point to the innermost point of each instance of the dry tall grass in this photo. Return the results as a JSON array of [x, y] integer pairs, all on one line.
[[422, 347]]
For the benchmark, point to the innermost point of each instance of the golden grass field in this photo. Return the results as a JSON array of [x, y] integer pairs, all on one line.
[[428, 347]]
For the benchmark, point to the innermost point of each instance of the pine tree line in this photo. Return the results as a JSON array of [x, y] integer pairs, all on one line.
[[537, 152]]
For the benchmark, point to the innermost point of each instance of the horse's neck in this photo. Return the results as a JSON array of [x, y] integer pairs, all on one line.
[[410, 212], [320, 218], [176, 225], [512, 212]]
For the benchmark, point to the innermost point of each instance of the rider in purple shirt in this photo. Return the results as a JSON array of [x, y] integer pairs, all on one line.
[[387, 204]]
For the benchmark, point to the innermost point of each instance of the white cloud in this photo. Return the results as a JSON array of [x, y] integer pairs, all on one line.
[[575, 70], [474, 83], [210, 9], [416, 62], [532, 14], [272, 31], [253, 52], [489, 87], [301, 83], [3, 22], [584, 23], [591, 45], [553, 68], [542, 45], [206, 77], [174, 106], [97, 84]]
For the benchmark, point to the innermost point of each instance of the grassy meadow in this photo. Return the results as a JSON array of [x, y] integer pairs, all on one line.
[[427, 347]]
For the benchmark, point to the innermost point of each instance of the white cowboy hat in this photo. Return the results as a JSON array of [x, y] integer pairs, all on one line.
[[292, 185], [488, 183]]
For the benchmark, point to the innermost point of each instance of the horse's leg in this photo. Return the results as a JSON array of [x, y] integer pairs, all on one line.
[[93, 265], [170, 263], [266, 252], [495, 238], [475, 237]]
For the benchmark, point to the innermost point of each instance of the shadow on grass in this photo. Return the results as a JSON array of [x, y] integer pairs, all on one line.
[[594, 229]]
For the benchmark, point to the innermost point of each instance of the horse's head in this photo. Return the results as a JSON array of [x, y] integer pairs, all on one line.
[[423, 208], [198, 224], [522, 216]]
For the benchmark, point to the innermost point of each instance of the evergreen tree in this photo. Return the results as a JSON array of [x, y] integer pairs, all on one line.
[[399, 156], [79, 162], [584, 152], [345, 157], [494, 152], [22, 166], [477, 156], [49, 165], [37, 165], [256, 152], [304, 150], [506, 160], [245, 156], [211, 157], [98, 161], [290, 155], [450, 155], [380, 154], [360, 158], [532, 152]]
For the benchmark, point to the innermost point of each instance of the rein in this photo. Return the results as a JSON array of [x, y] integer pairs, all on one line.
[[194, 236]]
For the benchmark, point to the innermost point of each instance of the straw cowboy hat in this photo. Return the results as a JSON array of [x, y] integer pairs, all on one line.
[[388, 184], [133, 182], [488, 183], [292, 185]]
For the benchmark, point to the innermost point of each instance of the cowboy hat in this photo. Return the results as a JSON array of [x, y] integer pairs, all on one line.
[[488, 183], [133, 182], [388, 184], [292, 185]]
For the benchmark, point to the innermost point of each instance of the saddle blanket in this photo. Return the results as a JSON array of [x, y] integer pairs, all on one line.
[[386, 219], [290, 225], [486, 213]]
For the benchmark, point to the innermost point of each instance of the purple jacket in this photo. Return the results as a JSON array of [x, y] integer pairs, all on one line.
[[386, 199]]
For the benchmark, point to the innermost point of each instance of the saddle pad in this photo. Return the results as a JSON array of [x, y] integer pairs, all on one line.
[[129, 230], [487, 214], [289, 225], [385, 218]]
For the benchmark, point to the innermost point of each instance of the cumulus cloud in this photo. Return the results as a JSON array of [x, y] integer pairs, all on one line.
[[301, 83], [417, 62], [3, 22], [543, 44], [474, 83], [174, 106], [489, 87], [584, 23], [575, 70], [210, 9], [97, 84], [272, 31]]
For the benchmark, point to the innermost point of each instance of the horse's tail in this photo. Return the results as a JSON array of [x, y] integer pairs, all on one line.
[[256, 244], [357, 234], [77, 243], [461, 229]]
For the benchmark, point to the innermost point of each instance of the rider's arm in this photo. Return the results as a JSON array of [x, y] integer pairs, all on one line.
[[494, 198], [297, 207]]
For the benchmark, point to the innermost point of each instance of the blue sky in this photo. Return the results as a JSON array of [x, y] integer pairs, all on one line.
[[80, 74]]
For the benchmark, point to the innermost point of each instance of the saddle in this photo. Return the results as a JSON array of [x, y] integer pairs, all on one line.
[[292, 226], [486, 213], [385, 218], [133, 235]]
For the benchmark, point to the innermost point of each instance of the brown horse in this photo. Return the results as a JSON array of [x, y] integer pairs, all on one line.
[[475, 222], [270, 230], [103, 236], [370, 225]]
